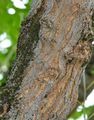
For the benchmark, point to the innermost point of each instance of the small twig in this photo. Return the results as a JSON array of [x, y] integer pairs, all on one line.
[[91, 116], [84, 86]]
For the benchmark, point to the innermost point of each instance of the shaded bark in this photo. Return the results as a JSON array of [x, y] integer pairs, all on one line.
[[88, 76], [52, 52], [89, 80]]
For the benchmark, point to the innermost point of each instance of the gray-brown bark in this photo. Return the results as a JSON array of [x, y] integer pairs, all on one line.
[[89, 76], [52, 50]]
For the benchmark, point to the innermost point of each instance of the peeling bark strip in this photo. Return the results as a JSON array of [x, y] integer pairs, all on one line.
[[51, 52]]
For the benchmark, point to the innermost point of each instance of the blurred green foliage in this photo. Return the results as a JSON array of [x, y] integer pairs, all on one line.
[[87, 111], [10, 27]]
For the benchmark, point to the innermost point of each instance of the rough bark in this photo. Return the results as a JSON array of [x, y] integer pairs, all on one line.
[[52, 53], [89, 83], [88, 74]]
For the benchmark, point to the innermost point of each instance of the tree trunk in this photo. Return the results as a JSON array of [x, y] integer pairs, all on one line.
[[52, 53]]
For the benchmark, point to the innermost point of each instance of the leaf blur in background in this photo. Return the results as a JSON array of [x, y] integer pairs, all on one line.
[[12, 12]]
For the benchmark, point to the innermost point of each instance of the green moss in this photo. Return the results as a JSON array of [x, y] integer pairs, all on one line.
[[27, 42]]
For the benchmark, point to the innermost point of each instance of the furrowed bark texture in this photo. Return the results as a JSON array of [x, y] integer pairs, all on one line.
[[52, 50]]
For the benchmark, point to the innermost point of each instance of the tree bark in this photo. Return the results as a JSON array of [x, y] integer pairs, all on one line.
[[52, 53]]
